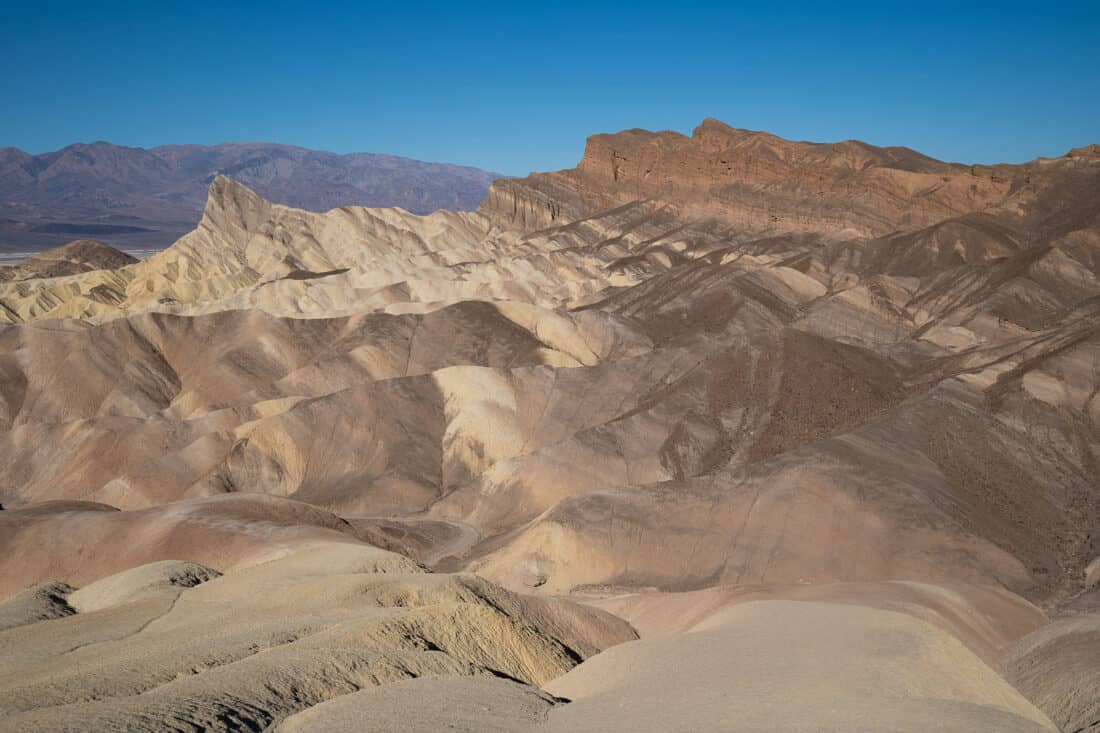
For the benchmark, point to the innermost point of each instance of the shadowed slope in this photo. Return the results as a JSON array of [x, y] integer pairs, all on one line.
[[689, 374]]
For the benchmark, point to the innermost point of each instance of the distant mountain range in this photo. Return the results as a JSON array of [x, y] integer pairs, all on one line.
[[136, 198]]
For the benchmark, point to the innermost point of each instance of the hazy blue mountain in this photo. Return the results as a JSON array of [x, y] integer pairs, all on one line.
[[137, 198]]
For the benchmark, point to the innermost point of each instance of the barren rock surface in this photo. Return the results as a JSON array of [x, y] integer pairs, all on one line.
[[724, 387]]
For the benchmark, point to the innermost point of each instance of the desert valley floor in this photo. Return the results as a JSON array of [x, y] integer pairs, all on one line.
[[719, 432]]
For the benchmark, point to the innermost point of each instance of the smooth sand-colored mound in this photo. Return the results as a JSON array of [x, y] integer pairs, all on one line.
[[794, 666], [140, 582], [987, 619]]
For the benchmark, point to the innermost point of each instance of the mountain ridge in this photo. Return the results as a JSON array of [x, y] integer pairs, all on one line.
[[138, 197], [719, 386]]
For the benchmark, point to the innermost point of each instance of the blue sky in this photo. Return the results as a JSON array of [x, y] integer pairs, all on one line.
[[514, 87]]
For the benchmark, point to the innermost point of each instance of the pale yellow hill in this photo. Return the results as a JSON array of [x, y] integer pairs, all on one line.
[[255, 645]]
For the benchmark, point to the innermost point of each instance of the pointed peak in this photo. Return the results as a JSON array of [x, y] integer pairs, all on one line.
[[222, 184], [10, 154], [231, 203], [713, 123], [714, 129]]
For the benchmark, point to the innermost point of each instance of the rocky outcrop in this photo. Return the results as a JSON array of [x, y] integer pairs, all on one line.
[[755, 182]]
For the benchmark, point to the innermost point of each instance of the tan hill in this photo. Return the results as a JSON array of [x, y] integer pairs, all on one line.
[[987, 619], [691, 374], [83, 255], [801, 666], [255, 645]]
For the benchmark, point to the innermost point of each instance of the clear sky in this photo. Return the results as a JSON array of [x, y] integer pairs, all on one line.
[[514, 87]]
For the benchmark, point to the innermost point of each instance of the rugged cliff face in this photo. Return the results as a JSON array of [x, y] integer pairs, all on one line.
[[757, 183]]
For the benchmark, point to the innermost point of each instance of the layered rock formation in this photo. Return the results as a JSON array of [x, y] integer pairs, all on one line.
[[692, 374], [757, 182]]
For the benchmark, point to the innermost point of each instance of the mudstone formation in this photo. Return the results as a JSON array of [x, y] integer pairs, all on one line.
[[712, 432]]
